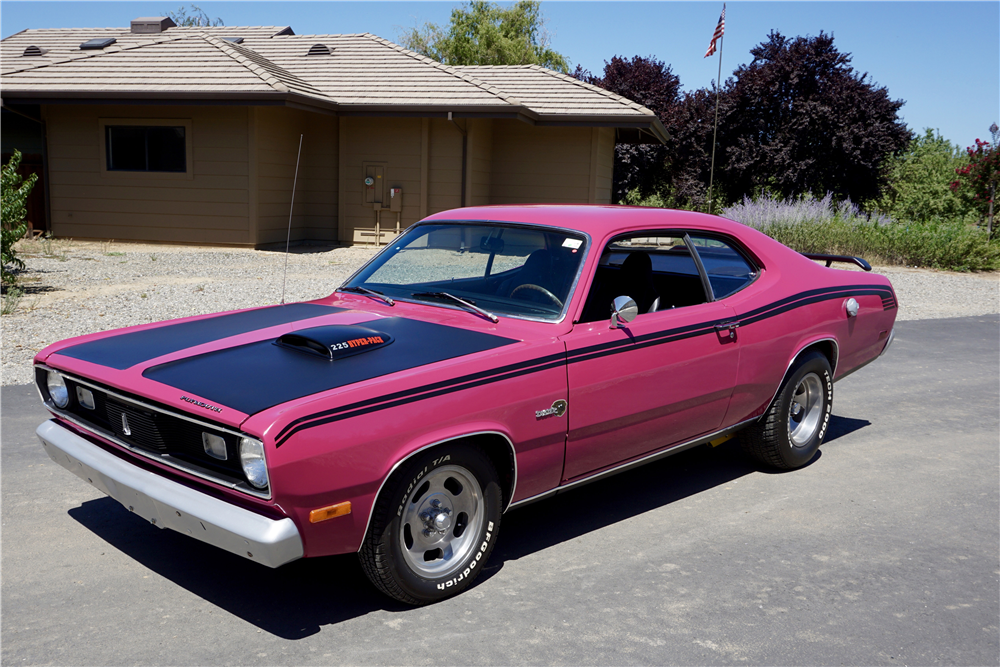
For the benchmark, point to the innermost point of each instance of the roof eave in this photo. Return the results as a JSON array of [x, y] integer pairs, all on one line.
[[649, 126]]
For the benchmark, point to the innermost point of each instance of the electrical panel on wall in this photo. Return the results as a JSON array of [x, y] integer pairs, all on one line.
[[374, 183]]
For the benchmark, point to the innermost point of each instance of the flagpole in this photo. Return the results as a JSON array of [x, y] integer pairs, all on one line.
[[715, 130]]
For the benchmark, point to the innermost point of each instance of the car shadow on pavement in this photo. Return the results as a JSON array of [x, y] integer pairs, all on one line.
[[575, 512], [292, 602], [841, 426], [298, 599]]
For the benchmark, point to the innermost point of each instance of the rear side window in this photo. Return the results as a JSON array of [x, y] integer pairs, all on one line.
[[728, 271]]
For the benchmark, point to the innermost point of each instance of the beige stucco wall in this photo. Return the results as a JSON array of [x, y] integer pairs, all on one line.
[[208, 205]]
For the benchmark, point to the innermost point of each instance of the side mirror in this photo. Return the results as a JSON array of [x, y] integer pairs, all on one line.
[[623, 311]]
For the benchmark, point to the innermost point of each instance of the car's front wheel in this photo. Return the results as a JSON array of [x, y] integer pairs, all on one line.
[[791, 431], [434, 525]]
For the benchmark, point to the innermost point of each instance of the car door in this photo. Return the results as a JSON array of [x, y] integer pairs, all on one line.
[[663, 378]]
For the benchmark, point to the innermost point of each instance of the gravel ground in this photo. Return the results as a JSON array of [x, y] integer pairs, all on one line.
[[74, 288]]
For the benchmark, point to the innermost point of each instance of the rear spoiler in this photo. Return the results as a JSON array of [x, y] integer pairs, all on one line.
[[829, 259]]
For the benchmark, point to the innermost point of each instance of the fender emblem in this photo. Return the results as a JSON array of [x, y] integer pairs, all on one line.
[[558, 409]]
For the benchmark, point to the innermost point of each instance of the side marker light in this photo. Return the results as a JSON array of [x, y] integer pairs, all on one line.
[[330, 512]]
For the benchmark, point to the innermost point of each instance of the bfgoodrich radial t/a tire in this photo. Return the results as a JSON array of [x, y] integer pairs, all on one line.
[[434, 525], [791, 431]]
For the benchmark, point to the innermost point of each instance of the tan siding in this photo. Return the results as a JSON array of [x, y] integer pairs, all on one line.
[[208, 205], [480, 161], [395, 142], [425, 156], [444, 187], [605, 164], [540, 164], [316, 203]]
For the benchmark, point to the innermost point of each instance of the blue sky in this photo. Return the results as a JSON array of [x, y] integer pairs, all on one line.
[[942, 58]]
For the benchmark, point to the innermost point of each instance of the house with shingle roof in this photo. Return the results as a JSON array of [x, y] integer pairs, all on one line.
[[191, 135]]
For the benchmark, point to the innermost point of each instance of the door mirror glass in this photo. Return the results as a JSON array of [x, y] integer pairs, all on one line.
[[623, 311]]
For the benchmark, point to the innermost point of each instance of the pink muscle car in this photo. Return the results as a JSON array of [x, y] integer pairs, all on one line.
[[487, 358]]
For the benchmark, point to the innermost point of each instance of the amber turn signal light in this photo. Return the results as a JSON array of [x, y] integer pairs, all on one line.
[[330, 512]]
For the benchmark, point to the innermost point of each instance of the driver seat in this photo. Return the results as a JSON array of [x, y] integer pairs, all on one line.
[[637, 282], [538, 269]]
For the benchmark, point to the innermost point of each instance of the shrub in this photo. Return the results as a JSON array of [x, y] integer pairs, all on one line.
[[820, 226], [13, 227], [920, 179], [978, 179]]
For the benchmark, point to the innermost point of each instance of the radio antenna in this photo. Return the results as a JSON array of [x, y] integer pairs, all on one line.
[[288, 239]]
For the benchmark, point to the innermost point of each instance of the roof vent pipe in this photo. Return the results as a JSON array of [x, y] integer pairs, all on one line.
[[151, 25]]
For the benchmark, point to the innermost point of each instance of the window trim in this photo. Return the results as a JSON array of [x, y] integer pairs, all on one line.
[[685, 234], [736, 247], [186, 123]]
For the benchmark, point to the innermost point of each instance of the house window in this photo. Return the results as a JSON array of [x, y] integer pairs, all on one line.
[[146, 148]]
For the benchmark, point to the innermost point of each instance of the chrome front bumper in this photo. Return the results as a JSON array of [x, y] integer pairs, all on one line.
[[167, 504]]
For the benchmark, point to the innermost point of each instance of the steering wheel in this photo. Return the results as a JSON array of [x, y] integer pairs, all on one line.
[[537, 288]]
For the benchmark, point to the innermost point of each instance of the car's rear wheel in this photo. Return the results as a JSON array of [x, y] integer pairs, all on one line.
[[791, 431], [434, 525]]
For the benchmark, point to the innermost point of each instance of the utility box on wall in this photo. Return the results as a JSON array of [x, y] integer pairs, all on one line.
[[381, 199], [374, 183]]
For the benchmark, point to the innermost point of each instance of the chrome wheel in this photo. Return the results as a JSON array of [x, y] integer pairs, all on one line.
[[805, 414], [441, 522]]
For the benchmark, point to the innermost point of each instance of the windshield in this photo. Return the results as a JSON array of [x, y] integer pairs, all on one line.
[[503, 269]]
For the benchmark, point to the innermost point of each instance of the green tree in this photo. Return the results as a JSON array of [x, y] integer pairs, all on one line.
[[196, 19], [484, 33], [920, 179], [14, 191]]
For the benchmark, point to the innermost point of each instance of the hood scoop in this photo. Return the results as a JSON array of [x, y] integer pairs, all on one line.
[[335, 341]]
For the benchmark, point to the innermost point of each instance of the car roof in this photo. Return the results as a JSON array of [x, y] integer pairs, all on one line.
[[595, 220]]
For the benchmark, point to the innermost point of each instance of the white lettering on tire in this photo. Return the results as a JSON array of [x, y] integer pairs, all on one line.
[[472, 564], [829, 405]]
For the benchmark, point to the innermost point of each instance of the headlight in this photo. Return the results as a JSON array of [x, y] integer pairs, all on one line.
[[57, 389], [252, 460]]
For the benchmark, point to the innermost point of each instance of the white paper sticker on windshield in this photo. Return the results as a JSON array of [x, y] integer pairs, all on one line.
[[572, 243]]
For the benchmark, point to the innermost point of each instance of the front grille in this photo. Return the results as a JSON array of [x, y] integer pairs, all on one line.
[[135, 426], [159, 433]]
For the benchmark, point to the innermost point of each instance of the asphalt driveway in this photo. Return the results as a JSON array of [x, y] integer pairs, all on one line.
[[885, 550]]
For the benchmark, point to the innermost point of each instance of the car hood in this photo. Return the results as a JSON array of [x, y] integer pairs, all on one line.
[[249, 361]]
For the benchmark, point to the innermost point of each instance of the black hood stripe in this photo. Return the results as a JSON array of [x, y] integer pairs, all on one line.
[[260, 375], [460, 383], [128, 349]]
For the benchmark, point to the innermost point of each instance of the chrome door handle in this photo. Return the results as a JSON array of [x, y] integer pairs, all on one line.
[[727, 326]]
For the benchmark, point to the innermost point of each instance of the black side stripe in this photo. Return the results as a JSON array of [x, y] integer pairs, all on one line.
[[424, 391], [519, 369]]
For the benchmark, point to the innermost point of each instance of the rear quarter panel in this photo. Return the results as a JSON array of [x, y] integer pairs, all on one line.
[[794, 304]]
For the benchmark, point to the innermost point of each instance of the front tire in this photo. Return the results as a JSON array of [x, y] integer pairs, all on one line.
[[434, 525], [791, 431]]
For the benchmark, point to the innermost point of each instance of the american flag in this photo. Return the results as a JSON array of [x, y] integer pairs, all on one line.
[[719, 29]]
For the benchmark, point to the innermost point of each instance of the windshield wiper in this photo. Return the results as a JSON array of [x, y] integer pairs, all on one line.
[[438, 295], [369, 292]]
